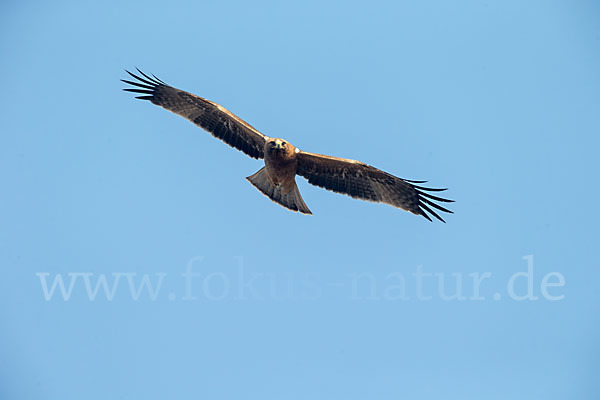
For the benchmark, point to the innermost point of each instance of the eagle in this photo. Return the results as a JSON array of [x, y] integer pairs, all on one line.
[[283, 161]]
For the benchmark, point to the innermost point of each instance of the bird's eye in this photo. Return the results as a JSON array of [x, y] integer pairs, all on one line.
[[283, 143]]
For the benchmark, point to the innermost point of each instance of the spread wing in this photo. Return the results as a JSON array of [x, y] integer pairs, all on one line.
[[365, 182], [217, 120]]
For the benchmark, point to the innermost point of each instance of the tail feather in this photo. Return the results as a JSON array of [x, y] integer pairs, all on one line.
[[291, 200]]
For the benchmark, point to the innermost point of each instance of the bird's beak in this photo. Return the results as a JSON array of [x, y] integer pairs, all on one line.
[[278, 144]]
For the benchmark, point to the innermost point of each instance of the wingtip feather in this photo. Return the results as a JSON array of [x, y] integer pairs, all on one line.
[[430, 211]]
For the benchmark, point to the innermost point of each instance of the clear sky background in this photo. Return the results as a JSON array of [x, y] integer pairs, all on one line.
[[497, 100]]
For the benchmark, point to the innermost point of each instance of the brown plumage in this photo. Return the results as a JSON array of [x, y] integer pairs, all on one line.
[[284, 161]]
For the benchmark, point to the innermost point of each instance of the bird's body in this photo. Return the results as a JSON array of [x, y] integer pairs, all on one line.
[[277, 180], [283, 161]]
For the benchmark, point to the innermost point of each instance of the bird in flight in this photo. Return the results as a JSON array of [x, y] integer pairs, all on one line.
[[283, 161]]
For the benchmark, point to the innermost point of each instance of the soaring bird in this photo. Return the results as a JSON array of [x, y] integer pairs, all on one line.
[[283, 161]]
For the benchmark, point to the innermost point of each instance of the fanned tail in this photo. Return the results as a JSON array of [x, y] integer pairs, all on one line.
[[291, 200]]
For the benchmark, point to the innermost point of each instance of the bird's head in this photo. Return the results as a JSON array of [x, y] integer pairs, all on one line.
[[277, 145], [279, 149]]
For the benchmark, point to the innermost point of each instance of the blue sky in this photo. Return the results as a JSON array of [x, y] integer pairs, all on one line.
[[498, 101]]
